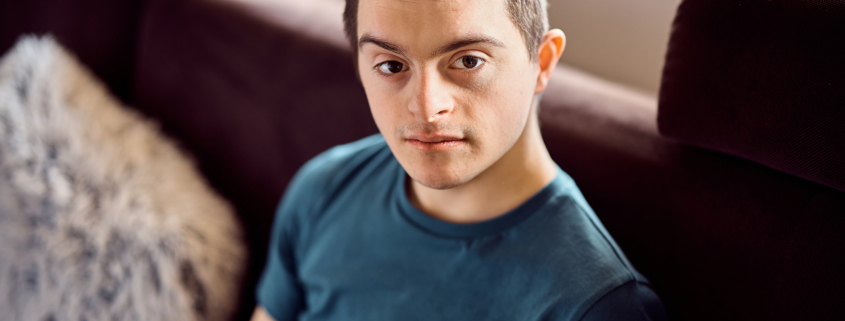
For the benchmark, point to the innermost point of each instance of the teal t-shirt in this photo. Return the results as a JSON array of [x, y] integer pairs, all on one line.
[[347, 244]]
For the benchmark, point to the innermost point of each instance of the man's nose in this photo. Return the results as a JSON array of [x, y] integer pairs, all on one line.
[[431, 97]]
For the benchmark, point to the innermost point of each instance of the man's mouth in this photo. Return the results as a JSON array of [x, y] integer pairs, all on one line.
[[435, 143]]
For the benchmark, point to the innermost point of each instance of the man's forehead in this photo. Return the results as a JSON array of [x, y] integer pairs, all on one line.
[[438, 19], [426, 6], [424, 12]]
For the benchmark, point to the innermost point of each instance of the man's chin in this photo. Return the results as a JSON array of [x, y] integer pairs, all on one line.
[[439, 182], [441, 172]]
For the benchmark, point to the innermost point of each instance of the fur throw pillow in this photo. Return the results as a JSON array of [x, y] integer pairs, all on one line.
[[101, 217]]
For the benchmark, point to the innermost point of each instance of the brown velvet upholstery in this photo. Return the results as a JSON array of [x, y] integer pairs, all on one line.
[[764, 80], [761, 79], [255, 88], [101, 33], [251, 99], [719, 237]]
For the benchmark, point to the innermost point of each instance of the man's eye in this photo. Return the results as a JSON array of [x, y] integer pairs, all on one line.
[[468, 62], [390, 67]]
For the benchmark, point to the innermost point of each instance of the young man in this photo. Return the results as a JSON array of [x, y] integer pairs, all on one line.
[[455, 211]]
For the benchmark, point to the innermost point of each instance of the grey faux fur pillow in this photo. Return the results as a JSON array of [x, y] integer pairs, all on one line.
[[101, 217]]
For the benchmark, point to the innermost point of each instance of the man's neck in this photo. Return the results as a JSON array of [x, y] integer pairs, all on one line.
[[513, 179]]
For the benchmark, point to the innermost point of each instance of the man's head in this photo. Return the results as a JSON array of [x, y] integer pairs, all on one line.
[[452, 84]]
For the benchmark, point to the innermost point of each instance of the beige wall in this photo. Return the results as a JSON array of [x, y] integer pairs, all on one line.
[[620, 40]]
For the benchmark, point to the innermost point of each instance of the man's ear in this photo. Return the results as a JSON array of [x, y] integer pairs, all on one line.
[[548, 54]]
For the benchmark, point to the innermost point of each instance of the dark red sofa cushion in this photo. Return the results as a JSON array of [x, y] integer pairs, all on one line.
[[252, 99], [101, 33], [719, 237], [761, 79]]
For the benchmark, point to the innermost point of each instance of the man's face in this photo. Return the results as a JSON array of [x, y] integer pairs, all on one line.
[[450, 84]]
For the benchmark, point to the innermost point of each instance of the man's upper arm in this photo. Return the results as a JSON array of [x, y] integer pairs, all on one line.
[[279, 293], [632, 301]]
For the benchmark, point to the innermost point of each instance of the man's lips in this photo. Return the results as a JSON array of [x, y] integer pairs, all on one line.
[[434, 142], [433, 138]]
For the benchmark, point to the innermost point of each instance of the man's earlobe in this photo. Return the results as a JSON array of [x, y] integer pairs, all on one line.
[[549, 54]]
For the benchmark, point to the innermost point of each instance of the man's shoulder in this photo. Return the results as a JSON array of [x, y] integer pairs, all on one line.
[[332, 168], [573, 229], [348, 155]]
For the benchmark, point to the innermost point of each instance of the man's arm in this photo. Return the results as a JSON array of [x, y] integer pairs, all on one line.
[[632, 301], [261, 315]]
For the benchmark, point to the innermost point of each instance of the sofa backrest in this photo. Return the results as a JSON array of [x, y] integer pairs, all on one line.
[[101, 33], [764, 80], [252, 95], [254, 88], [760, 79]]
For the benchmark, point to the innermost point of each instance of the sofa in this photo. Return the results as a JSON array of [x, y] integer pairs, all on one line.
[[727, 190]]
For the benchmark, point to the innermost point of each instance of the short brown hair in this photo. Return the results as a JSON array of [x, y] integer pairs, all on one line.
[[528, 15]]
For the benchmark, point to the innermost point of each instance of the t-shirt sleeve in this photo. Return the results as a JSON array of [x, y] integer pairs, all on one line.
[[279, 291], [632, 301]]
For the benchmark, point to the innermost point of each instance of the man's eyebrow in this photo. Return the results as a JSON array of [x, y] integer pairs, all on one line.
[[462, 42], [469, 40], [367, 38]]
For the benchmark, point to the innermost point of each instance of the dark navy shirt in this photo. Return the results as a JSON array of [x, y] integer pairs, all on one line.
[[348, 245]]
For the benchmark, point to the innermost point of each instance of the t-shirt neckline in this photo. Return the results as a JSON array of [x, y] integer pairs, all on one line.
[[471, 230]]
